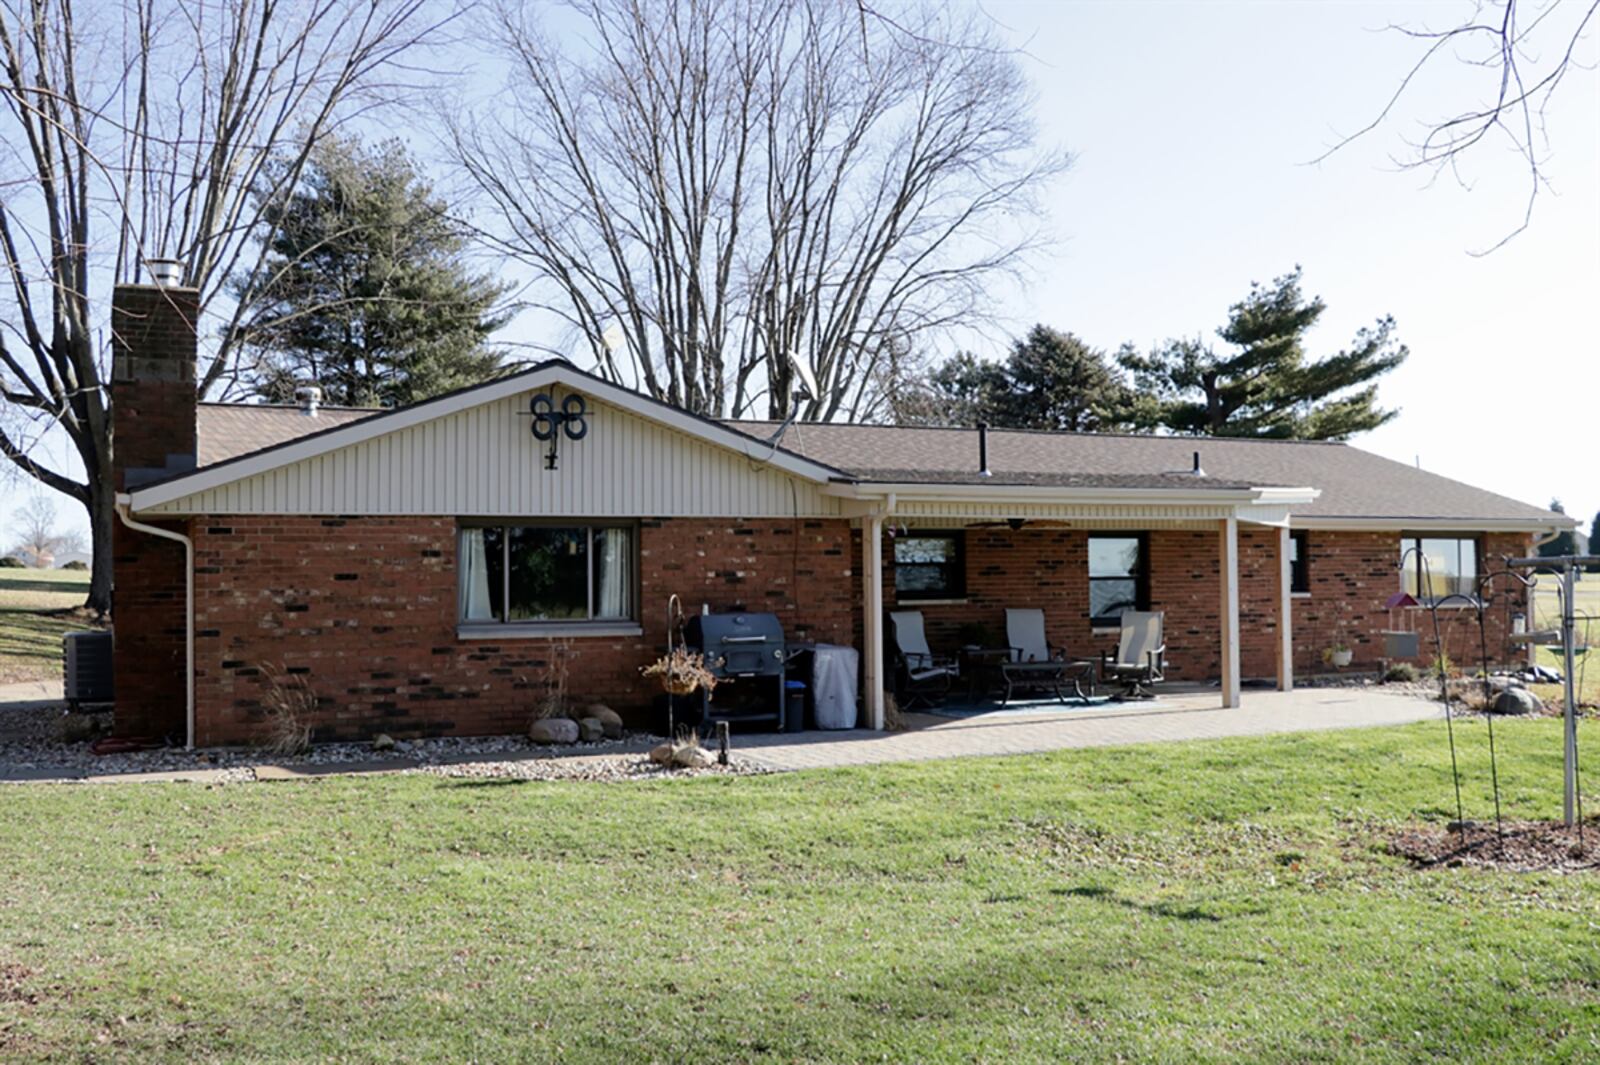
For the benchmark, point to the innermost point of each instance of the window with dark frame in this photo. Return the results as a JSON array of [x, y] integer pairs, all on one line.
[[1439, 566], [930, 565], [1119, 576], [532, 574], [1299, 562]]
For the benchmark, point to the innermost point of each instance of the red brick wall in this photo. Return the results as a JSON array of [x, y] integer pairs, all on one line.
[[365, 610], [153, 397], [1352, 576], [1046, 568]]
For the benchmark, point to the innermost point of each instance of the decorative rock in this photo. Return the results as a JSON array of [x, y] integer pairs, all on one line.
[[692, 758], [609, 719], [590, 730], [661, 753], [554, 730], [78, 728], [1517, 701], [383, 742]]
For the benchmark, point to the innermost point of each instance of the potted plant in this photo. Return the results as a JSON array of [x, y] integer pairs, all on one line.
[[974, 634], [1338, 655], [682, 672]]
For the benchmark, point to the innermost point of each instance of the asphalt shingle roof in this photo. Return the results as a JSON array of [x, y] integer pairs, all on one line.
[[1354, 483], [228, 430]]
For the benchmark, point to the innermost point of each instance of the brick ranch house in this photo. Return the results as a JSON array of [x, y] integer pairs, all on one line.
[[414, 566]]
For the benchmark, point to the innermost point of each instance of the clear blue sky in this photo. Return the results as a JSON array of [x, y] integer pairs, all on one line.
[[1193, 123]]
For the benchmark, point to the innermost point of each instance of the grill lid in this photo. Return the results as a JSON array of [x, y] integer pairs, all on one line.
[[737, 644]]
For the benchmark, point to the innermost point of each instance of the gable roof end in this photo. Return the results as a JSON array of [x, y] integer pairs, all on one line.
[[545, 374]]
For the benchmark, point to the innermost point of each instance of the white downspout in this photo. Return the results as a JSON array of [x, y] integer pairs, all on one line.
[[188, 610]]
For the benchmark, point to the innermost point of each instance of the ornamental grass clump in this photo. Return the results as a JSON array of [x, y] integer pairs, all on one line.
[[682, 672]]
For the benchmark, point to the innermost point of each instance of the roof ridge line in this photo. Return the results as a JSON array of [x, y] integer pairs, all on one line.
[[1042, 432]]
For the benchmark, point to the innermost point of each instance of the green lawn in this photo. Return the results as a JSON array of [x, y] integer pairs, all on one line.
[[36, 607], [1196, 902]]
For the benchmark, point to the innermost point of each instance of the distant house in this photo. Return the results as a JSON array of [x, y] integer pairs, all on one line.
[[414, 567], [34, 559]]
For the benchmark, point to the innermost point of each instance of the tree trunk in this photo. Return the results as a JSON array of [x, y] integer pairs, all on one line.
[[102, 516]]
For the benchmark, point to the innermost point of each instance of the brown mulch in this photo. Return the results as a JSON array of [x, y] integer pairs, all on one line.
[[1526, 847]]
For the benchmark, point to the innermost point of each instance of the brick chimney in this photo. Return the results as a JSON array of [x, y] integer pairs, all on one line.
[[152, 382], [153, 348]]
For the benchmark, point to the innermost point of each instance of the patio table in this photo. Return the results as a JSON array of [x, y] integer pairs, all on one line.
[[1052, 675], [981, 666]]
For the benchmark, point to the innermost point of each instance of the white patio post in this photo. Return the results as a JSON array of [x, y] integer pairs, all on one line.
[[1285, 613], [1230, 612], [872, 617]]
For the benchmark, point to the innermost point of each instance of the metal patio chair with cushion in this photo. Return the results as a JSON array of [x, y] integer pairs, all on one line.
[[920, 675], [1141, 654], [1035, 664]]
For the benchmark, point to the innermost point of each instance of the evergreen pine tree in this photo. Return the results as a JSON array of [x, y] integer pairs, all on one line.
[[368, 292], [1053, 380], [1264, 384]]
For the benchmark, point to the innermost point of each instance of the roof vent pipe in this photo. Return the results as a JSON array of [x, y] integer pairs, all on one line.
[[1197, 471], [983, 450], [310, 398]]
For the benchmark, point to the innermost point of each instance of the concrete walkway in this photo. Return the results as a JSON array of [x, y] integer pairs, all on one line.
[[1178, 717]]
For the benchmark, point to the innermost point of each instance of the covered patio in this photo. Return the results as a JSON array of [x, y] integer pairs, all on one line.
[[1174, 717], [1213, 557]]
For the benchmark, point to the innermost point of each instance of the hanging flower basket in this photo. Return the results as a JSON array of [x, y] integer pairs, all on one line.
[[682, 672]]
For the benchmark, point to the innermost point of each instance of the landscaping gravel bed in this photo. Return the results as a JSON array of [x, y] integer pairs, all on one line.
[[31, 748]]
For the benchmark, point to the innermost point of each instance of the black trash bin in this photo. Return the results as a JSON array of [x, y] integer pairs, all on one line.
[[794, 706]]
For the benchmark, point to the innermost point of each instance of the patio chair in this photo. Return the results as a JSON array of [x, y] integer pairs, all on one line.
[[1141, 654], [920, 675], [1035, 664]]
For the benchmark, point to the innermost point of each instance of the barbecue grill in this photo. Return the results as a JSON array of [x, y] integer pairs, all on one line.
[[748, 651]]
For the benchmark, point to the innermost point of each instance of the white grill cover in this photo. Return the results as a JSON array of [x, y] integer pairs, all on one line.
[[833, 686]]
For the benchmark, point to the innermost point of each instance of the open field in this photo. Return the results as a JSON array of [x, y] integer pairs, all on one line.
[[1184, 902], [36, 607]]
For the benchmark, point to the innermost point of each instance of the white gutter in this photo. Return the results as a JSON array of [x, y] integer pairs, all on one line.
[[188, 608], [984, 493], [1509, 525]]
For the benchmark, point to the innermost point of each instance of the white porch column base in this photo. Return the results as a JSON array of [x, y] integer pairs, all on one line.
[[1230, 612], [872, 618], [1285, 613]]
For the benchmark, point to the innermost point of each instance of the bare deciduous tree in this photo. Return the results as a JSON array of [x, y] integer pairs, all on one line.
[[143, 129], [1522, 55], [707, 186], [35, 529]]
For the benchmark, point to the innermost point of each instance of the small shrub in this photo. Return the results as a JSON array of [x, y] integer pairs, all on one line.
[[290, 705], [11, 562], [76, 565], [1400, 673], [1441, 665]]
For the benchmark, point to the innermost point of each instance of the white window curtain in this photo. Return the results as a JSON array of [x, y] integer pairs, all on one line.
[[613, 573], [475, 604]]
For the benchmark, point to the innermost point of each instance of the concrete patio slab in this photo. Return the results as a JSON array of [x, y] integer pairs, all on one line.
[[1171, 718]]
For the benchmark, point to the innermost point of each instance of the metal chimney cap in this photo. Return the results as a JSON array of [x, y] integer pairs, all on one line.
[[165, 273], [310, 398]]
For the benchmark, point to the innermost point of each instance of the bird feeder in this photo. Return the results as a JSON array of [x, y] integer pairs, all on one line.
[[1401, 639]]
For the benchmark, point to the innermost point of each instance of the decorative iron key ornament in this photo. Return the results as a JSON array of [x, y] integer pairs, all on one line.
[[551, 421]]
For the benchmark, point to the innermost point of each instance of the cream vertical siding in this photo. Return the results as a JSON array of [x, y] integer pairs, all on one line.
[[485, 461]]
